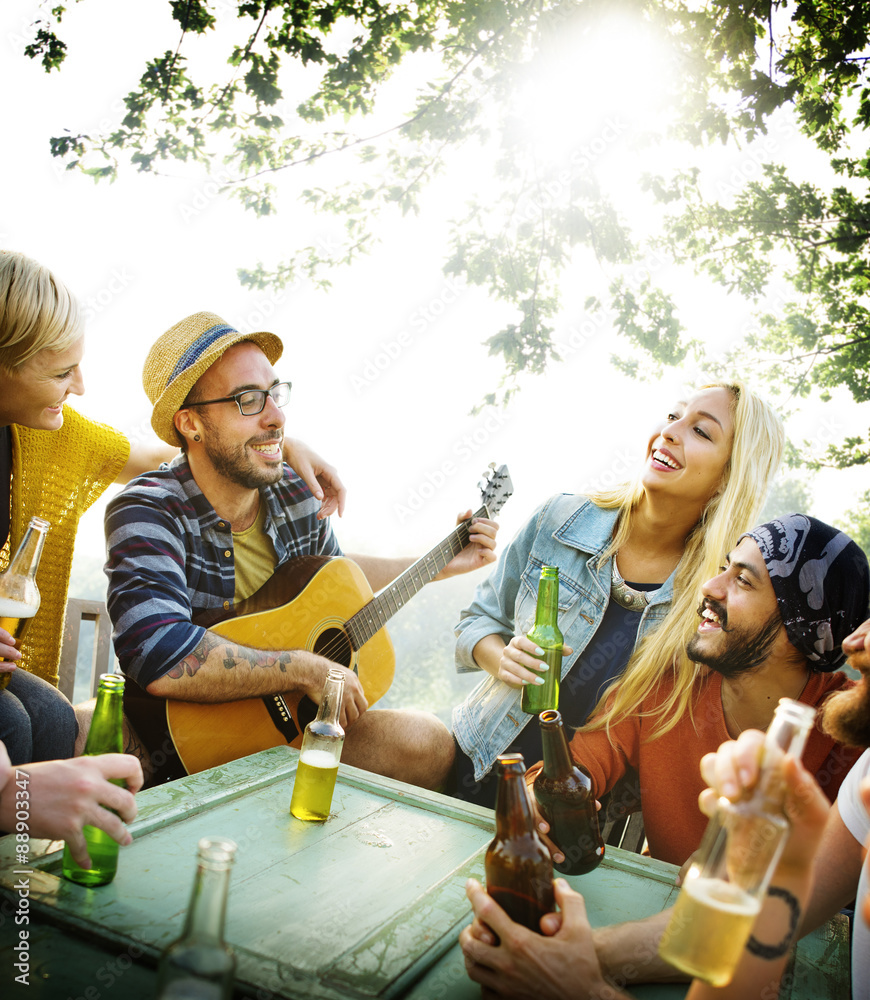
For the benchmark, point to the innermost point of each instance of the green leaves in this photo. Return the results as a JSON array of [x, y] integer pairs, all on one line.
[[797, 249]]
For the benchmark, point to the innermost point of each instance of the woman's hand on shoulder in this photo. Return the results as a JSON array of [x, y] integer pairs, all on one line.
[[319, 476]]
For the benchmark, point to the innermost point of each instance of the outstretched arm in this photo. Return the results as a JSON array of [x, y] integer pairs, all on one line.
[[218, 670], [480, 551], [732, 770], [61, 796]]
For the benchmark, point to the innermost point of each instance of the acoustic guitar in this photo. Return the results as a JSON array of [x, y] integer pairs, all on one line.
[[321, 604]]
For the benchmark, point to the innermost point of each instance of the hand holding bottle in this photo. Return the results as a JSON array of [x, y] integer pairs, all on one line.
[[66, 795], [353, 699], [510, 961], [724, 888], [8, 650], [734, 770], [520, 664]]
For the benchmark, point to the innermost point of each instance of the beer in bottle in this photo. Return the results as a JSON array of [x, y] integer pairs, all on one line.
[[320, 754], [104, 736], [724, 888], [566, 800], [19, 595], [519, 872], [546, 634], [200, 965]]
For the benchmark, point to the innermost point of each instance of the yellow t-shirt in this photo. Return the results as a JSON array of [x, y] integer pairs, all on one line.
[[254, 557], [57, 475]]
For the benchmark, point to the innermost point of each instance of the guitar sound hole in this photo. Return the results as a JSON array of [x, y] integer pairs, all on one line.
[[335, 646]]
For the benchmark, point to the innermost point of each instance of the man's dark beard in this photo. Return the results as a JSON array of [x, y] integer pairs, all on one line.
[[746, 650], [846, 716], [234, 464]]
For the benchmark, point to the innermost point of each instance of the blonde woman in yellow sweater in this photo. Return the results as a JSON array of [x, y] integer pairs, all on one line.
[[54, 463]]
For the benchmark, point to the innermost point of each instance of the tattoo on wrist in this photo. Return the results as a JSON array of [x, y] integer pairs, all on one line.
[[771, 951]]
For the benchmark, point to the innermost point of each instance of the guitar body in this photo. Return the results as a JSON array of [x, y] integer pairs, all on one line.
[[305, 605]]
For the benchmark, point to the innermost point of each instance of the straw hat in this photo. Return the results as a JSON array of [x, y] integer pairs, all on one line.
[[182, 354]]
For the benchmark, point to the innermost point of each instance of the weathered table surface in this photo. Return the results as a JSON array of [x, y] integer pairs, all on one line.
[[369, 904]]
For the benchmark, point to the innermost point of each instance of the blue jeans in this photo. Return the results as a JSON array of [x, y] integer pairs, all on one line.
[[36, 720]]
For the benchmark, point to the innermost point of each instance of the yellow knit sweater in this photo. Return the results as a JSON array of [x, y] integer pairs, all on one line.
[[57, 475]]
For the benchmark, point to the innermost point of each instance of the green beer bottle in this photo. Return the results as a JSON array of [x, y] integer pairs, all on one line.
[[200, 965], [539, 697], [105, 736]]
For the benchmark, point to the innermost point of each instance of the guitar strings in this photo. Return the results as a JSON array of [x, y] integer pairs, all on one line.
[[357, 637], [335, 647]]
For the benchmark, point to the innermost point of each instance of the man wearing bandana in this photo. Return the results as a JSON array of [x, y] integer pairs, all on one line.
[[777, 622], [771, 626]]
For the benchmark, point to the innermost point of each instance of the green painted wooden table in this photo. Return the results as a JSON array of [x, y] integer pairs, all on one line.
[[369, 904]]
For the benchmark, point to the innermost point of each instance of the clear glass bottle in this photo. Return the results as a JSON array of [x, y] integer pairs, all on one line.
[[319, 756], [104, 736], [19, 594], [545, 633], [566, 800], [725, 885], [519, 872], [200, 965]]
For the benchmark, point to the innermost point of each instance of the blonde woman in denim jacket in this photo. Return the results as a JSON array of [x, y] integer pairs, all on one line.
[[631, 564]]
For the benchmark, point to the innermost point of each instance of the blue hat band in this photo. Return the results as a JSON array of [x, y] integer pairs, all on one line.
[[195, 351]]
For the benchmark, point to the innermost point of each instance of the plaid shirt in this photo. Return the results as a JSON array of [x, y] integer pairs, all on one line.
[[171, 557]]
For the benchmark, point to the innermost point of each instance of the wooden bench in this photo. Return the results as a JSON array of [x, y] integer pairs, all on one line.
[[77, 611]]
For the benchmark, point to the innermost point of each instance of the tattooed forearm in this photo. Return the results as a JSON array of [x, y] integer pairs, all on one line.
[[231, 656], [268, 658]]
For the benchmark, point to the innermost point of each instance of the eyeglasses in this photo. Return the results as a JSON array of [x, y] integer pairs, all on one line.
[[251, 401]]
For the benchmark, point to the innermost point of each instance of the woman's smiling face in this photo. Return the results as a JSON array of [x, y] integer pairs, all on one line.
[[687, 456], [33, 395]]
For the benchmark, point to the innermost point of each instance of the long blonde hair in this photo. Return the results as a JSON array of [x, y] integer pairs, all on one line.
[[756, 451], [38, 312]]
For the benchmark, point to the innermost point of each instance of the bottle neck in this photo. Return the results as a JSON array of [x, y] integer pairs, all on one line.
[[207, 911], [329, 710], [547, 612], [26, 559], [786, 735], [558, 762], [513, 808], [106, 732]]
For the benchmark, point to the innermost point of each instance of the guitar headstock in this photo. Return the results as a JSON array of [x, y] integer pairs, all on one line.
[[495, 489]]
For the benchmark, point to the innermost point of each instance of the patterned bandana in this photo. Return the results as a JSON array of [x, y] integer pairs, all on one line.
[[822, 584]]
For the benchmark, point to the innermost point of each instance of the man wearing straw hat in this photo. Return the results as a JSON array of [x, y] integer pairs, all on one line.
[[209, 529]]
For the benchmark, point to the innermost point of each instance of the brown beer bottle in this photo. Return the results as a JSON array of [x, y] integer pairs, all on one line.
[[566, 800], [519, 872]]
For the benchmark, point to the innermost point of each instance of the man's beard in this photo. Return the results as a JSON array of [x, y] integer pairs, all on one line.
[[746, 648], [234, 464], [846, 715]]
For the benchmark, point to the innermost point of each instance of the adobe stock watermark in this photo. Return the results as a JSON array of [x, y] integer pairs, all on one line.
[[205, 195], [21, 948], [419, 321], [625, 464], [97, 302], [466, 447]]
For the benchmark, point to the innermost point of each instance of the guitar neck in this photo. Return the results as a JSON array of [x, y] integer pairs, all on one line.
[[372, 618]]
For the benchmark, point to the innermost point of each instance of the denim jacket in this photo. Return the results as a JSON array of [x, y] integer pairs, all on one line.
[[568, 531]]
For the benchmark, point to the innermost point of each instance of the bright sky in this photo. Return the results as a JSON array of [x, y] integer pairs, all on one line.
[[387, 365]]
